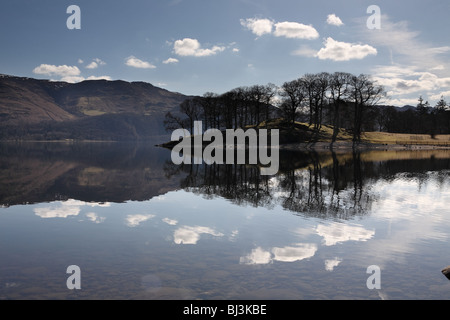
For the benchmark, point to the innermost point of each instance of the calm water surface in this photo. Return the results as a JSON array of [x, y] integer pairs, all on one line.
[[140, 227]]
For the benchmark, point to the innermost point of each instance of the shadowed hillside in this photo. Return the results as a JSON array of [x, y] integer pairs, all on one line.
[[95, 110]]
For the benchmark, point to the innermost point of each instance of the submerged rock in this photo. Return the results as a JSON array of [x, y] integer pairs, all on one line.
[[446, 272]]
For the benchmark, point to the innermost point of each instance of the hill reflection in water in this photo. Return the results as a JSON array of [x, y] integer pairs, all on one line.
[[320, 184]]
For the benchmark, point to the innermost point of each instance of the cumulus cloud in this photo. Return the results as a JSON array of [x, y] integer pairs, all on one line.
[[95, 64], [70, 74], [92, 65], [170, 60], [344, 51], [72, 79], [64, 209], [404, 80], [192, 47], [445, 94], [95, 217], [334, 233], [53, 70], [334, 20], [171, 222], [133, 220], [138, 63], [257, 256], [331, 263], [258, 26], [190, 235], [298, 252], [98, 78], [295, 30], [76, 79], [59, 209]]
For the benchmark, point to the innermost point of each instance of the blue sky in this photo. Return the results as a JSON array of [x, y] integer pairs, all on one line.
[[198, 46]]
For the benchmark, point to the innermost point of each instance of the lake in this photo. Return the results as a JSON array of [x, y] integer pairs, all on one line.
[[367, 225]]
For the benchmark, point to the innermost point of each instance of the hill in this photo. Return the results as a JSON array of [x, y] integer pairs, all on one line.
[[93, 109]]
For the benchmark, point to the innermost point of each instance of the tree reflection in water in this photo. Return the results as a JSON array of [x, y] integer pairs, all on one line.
[[316, 184]]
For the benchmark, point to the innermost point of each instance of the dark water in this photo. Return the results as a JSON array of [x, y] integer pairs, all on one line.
[[140, 227]]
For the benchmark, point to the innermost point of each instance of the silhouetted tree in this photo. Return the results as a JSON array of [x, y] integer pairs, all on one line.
[[293, 94], [338, 92], [363, 94]]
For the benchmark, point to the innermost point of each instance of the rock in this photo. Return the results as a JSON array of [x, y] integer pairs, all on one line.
[[446, 272]]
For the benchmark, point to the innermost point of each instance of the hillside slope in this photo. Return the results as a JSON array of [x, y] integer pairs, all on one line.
[[94, 109]]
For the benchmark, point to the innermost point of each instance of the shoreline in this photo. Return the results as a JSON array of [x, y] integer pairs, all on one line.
[[363, 146], [346, 146]]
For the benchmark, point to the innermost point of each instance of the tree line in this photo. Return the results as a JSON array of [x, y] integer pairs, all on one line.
[[340, 99], [421, 119]]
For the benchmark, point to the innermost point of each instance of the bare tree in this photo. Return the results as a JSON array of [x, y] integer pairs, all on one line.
[[338, 94], [191, 108], [173, 122], [364, 93], [293, 95]]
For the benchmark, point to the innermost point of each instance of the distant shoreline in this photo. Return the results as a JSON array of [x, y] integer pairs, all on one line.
[[363, 146], [292, 146]]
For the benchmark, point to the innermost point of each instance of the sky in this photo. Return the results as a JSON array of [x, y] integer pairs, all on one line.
[[199, 46]]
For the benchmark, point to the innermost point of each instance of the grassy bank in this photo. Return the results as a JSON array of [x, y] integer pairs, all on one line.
[[304, 134]]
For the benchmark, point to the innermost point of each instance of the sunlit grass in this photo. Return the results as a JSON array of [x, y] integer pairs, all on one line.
[[325, 134]]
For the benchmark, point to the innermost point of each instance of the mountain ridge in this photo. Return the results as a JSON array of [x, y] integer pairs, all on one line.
[[28, 106]]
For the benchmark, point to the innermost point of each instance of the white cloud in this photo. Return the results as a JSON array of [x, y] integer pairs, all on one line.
[[72, 79], [423, 69], [406, 43], [190, 235], [60, 209], [171, 222], [98, 78], [445, 94], [257, 256], [191, 47], [137, 63], [171, 60], [80, 61], [334, 20], [95, 217], [53, 70], [405, 80], [76, 79], [57, 212], [298, 252], [133, 220], [95, 64], [295, 30], [334, 233], [258, 26], [331, 263], [343, 51], [64, 209], [438, 67], [70, 74], [235, 50]]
